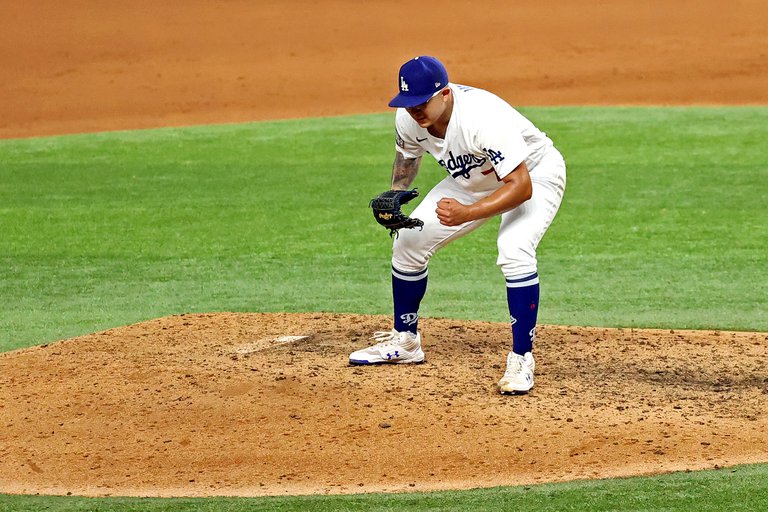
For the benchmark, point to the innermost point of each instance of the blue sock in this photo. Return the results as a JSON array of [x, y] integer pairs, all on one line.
[[408, 288], [523, 301]]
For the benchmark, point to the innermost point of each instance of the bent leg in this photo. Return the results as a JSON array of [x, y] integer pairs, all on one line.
[[520, 232], [413, 248]]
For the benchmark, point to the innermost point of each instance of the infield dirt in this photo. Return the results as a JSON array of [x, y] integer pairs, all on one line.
[[213, 404], [202, 405]]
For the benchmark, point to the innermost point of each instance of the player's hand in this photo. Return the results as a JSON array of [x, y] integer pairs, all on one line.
[[450, 212]]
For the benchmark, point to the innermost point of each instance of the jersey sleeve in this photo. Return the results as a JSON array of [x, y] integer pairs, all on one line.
[[405, 142], [502, 142]]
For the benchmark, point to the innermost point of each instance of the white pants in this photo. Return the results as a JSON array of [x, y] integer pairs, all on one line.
[[520, 231]]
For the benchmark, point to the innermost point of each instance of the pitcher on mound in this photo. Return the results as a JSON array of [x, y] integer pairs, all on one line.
[[497, 163]]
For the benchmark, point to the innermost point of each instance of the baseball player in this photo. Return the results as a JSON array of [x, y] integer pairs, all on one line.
[[497, 163]]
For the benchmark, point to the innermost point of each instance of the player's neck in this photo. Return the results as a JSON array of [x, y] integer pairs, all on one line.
[[439, 127]]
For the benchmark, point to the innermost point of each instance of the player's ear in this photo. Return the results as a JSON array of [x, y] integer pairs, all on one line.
[[446, 94]]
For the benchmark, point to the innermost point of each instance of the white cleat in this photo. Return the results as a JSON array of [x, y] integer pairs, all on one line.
[[391, 347], [518, 379]]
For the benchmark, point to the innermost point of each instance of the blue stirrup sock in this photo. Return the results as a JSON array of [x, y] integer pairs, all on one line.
[[408, 288], [523, 301]]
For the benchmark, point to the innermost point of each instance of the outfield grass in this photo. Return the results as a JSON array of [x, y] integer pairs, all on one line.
[[740, 488], [663, 224]]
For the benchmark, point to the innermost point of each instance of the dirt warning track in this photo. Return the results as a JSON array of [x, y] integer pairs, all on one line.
[[82, 66]]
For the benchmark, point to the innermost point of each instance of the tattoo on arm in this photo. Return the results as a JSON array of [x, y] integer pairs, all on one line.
[[404, 171]]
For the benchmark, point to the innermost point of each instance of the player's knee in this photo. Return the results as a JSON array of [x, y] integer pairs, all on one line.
[[409, 262], [516, 263], [516, 271], [408, 253]]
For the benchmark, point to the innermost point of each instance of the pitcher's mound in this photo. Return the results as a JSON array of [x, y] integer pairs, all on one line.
[[260, 404]]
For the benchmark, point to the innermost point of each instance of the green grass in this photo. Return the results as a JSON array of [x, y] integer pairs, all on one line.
[[740, 488], [663, 224]]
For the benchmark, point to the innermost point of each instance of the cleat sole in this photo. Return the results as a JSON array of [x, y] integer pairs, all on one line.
[[515, 392], [356, 362]]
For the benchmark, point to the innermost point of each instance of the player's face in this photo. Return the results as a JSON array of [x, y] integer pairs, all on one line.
[[432, 110]]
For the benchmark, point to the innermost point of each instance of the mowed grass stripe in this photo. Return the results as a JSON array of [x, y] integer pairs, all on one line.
[[663, 224]]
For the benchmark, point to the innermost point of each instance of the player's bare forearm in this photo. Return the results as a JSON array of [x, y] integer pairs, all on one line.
[[404, 171], [516, 190]]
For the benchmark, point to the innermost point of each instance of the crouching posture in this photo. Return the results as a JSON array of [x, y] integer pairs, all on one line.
[[497, 163]]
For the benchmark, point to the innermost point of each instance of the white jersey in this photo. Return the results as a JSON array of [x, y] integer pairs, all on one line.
[[486, 139]]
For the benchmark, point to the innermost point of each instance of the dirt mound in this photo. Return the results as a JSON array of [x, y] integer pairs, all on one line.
[[227, 404]]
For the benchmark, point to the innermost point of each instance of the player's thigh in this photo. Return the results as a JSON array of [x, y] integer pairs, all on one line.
[[413, 248], [522, 229]]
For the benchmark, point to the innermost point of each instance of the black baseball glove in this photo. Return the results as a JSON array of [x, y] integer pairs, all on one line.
[[386, 210]]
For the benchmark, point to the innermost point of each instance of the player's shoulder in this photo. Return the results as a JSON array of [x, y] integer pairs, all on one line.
[[401, 114], [404, 122], [477, 97], [477, 109]]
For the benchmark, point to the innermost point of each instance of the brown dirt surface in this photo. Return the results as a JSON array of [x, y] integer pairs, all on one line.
[[80, 66], [213, 404]]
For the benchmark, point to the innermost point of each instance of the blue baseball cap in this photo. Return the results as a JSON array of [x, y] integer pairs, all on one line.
[[420, 78]]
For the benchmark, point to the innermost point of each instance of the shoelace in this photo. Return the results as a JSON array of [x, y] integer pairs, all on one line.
[[393, 337], [514, 364], [386, 337]]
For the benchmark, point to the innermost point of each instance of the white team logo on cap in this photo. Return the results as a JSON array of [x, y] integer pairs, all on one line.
[[437, 84], [403, 85]]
